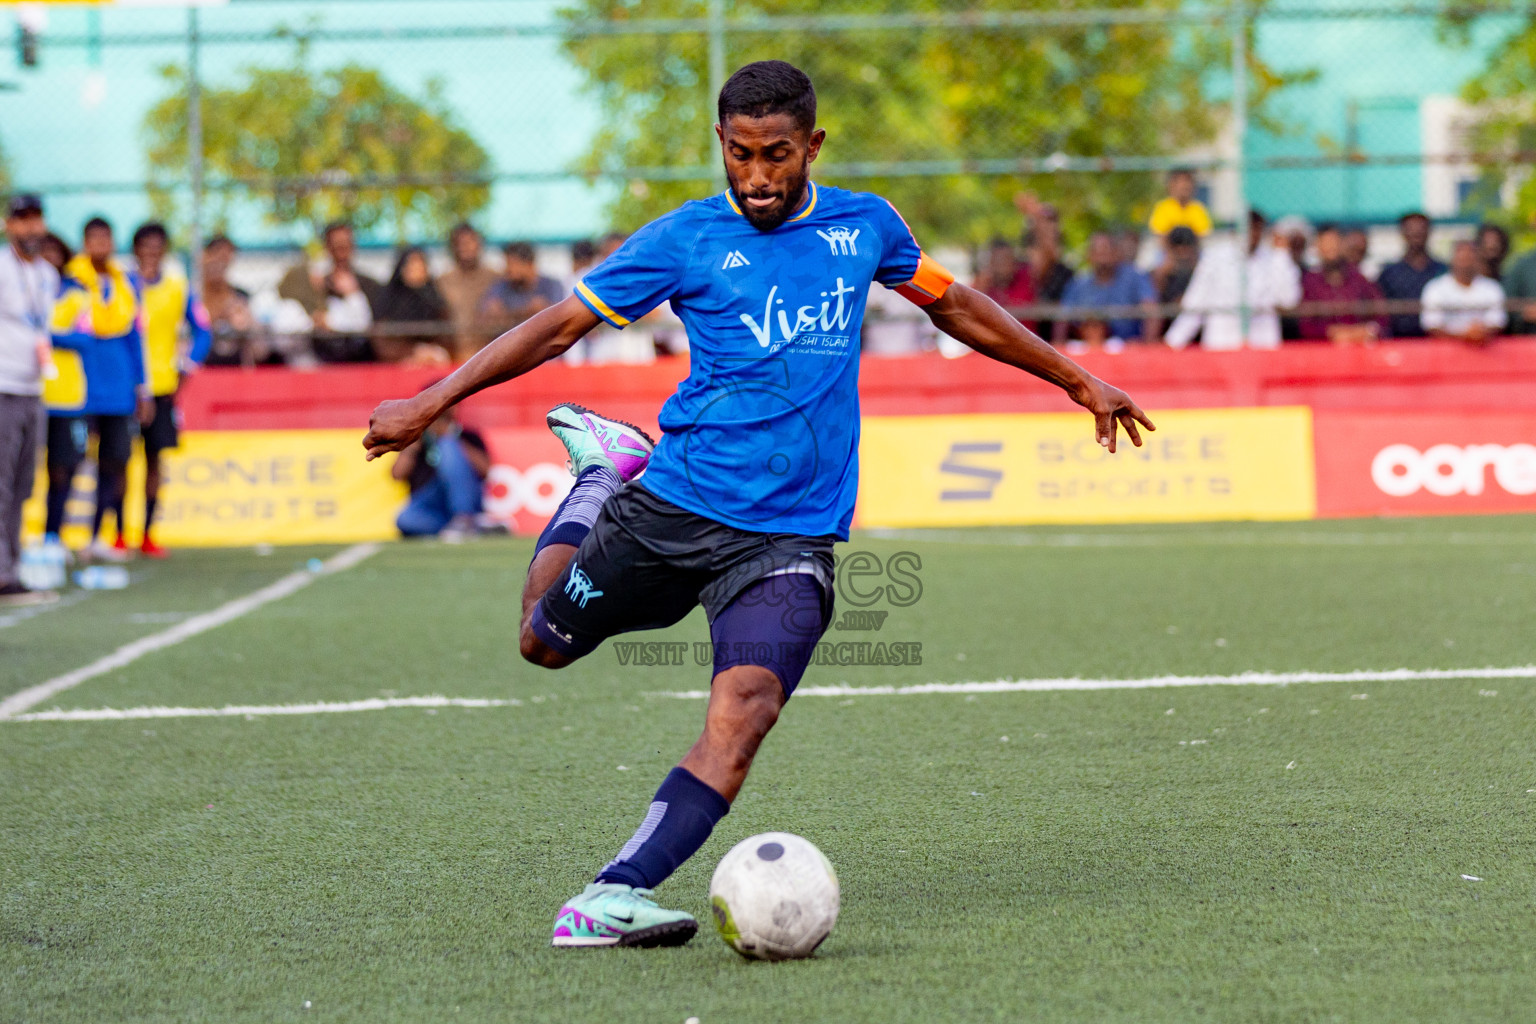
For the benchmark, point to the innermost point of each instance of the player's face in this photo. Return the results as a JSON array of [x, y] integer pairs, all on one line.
[[98, 244], [27, 232], [768, 162], [1415, 233], [148, 254]]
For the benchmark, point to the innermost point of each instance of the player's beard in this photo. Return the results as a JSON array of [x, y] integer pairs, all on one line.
[[793, 195]]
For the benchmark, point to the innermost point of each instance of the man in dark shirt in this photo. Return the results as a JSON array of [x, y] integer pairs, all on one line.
[[446, 471], [1405, 279]]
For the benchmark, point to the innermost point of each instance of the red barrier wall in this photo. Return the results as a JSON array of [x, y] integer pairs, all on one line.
[[1406, 428], [1400, 376]]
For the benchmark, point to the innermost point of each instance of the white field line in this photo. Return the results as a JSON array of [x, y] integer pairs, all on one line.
[[1217, 538], [256, 710], [127, 654], [1151, 682]]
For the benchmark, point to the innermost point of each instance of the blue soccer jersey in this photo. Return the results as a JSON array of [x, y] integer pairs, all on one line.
[[764, 433]]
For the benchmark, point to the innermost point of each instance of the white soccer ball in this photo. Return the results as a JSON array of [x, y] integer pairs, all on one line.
[[774, 896]]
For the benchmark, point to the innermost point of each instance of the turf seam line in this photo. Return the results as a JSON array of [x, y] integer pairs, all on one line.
[[260, 710], [127, 654], [1151, 682]]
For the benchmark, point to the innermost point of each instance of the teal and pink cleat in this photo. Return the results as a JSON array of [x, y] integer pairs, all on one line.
[[610, 914], [592, 440]]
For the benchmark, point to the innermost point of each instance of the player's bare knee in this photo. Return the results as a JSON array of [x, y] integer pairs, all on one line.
[[536, 652]]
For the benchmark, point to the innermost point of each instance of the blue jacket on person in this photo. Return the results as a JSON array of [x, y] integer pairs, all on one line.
[[97, 316]]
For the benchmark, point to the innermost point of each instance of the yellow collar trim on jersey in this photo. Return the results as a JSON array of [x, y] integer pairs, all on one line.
[[809, 206]]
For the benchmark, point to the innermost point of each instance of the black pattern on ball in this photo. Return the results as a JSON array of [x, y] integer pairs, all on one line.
[[770, 851]]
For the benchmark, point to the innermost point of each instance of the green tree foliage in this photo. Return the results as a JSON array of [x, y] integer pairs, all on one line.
[[1505, 129], [922, 94], [314, 146]]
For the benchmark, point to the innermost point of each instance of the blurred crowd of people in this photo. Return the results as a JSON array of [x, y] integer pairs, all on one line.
[[1294, 282]]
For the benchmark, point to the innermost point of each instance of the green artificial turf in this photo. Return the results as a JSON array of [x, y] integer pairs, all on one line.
[[1225, 853]]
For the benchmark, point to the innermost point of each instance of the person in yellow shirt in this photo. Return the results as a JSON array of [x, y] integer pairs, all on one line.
[[167, 302], [1179, 208]]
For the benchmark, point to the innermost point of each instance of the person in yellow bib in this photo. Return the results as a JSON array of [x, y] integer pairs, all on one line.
[[167, 303], [97, 316], [1179, 208]]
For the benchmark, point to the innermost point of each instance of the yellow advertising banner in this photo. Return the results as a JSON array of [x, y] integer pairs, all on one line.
[[234, 487], [1200, 465]]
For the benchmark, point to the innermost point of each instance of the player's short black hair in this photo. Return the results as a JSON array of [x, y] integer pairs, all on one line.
[[154, 229], [333, 227], [95, 224], [519, 251], [460, 228], [583, 250], [218, 240], [1327, 226], [770, 87], [1413, 215]]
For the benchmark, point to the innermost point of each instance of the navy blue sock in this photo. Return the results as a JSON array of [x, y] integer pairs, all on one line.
[[681, 817], [579, 510]]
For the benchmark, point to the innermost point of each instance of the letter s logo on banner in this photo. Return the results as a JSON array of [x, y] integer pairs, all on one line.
[[1446, 470]]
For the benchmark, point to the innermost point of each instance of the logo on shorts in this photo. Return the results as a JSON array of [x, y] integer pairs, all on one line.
[[579, 587]]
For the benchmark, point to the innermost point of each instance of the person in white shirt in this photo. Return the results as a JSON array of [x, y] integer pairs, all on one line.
[[1463, 304], [28, 287], [1211, 301]]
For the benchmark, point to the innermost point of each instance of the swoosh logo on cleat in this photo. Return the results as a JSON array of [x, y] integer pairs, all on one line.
[[626, 920]]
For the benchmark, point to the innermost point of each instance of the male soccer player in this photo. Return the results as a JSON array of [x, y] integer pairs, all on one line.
[[167, 303], [754, 478]]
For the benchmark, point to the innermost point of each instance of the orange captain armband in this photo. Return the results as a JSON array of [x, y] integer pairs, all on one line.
[[929, 284]]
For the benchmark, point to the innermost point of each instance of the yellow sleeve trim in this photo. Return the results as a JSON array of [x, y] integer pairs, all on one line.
[[603, 309]]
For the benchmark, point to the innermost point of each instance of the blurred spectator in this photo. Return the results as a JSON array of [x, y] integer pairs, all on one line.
[[1049, 275], [338, 303], [28, 286], [463, 288], [1179, 208], [411, 314], [238, 340], [583, 259], [609, 244], [446, 471], [56, 252], [521, 292], [1129, 241], [1109, 281], [1492, 248], [1464, 304], [1004, 279], [1520, 284], [1356, 246], [1337, 279], [1294, 235], [1405, 279], [98, 313], [1172, 276], [1041, 221], [167, 307], [1271, 281]]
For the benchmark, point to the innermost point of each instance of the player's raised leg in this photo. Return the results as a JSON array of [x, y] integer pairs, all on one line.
[[763, 642], [605, 454]]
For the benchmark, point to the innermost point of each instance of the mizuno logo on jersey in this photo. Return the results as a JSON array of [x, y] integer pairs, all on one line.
[[735, 259], [841, 241]]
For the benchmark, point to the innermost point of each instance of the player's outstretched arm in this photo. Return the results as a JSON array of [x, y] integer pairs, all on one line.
[[540, 338], [967, 315]]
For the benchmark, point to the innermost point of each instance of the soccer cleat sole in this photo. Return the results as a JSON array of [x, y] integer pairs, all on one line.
[[583, 410], [673, 933]]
